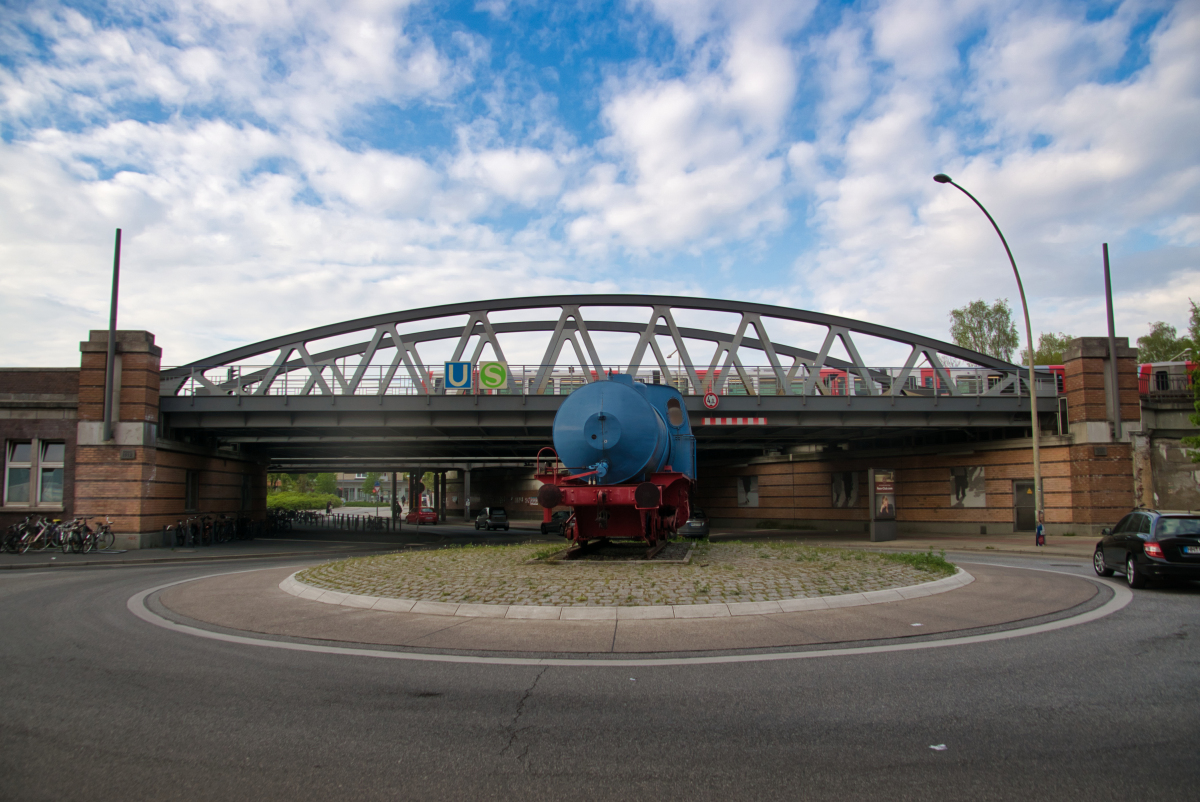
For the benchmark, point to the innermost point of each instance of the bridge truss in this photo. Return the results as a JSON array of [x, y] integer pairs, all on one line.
[[742, 359]]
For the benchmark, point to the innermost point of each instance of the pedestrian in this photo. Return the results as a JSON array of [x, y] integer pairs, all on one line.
[[329, 507], [1040, 535]]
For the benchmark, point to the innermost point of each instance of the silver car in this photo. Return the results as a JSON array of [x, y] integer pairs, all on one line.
[[696, 525]]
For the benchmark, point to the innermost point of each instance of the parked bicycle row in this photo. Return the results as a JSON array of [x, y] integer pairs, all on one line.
[[209, 530], [37, 533]]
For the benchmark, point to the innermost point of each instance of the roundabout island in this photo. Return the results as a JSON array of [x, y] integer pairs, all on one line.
[[504, 604]]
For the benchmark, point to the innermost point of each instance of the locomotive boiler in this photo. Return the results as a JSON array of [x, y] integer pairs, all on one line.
[[626, 462]]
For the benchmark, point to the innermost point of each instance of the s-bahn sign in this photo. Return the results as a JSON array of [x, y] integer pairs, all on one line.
[[493, 375]]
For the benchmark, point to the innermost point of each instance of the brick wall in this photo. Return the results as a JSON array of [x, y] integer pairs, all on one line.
[[800, 492], [39, 403], [136, 479], [39, 381]]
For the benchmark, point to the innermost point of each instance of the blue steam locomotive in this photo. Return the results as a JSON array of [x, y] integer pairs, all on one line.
[[626, 461]]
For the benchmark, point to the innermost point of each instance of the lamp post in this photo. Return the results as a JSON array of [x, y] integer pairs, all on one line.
[[1038, 504]]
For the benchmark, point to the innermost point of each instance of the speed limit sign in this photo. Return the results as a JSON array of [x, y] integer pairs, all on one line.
[[710, 400]]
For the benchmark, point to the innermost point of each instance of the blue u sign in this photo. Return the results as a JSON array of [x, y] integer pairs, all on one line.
[[458, 375]]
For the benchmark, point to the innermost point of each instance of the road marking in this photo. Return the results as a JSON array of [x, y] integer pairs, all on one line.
[[1121, 597]]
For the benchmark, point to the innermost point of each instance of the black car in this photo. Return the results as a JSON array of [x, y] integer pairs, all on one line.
[[492, 518], [696, 525], [556, 524], [1148, 544]]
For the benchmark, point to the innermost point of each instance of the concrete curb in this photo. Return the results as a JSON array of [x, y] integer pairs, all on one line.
[[201, 559], [299, 589]]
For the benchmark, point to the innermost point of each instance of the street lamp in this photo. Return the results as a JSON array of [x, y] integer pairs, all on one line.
[[1038, 502]]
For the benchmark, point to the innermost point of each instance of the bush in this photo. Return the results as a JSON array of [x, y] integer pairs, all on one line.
[[291, 500]]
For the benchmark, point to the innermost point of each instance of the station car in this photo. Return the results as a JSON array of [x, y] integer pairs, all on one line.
[[1149, 544], [492, 518]]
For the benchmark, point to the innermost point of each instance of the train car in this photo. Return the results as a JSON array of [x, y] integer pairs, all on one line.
[[624, 461], [1166, 378]]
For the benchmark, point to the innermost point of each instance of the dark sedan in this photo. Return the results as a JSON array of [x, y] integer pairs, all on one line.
[[695, 526], [556, 523], [1148, 544]]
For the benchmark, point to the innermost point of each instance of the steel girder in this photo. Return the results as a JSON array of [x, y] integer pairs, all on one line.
[[322, 375]]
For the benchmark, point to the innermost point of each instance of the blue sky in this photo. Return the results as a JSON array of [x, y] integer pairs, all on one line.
[[279, 165]]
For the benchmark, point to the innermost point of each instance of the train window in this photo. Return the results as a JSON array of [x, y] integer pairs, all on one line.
[[735, 387], [568, 386], [767, 387], [674, 412], [1162, 380]]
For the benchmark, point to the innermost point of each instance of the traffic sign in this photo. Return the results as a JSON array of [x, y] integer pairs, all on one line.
[[458, 375], [493, 375], [711, 400]]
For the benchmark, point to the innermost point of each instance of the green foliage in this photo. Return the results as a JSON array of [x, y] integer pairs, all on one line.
[[924, 561], [280, 482], [1192, 444], [368, 485], [326, 483], [987, 329], [1162, 344], [1050, 349], [293, 500]]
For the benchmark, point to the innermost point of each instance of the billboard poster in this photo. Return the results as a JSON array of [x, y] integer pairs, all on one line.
[[747, 490], [884, 495], [967, 487], [844, 487]]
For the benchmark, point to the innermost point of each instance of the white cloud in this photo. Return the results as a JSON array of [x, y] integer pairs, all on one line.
[[521, 175], [696, 160]]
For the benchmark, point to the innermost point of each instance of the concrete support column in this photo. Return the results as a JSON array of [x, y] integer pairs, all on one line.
[[112, 476], [466, 474], [1101, 481]]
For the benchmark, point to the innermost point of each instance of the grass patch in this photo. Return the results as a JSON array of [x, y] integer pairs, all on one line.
[[923, 561], [785, 525]]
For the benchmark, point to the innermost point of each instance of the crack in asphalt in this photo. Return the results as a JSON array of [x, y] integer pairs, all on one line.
[[514, 730]]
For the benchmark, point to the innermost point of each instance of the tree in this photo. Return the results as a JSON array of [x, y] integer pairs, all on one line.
[[327, 483], [1050, 349], [987, 329], [1162, 344], [368, 485], [1193, 443]]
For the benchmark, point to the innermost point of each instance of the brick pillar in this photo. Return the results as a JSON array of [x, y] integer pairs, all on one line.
[[1102, 485], [113, 478]]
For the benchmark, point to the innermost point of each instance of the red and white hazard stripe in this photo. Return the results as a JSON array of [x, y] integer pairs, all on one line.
[[735, 421]]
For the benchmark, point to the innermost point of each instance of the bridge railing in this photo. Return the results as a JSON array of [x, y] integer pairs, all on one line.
[[562, 379]]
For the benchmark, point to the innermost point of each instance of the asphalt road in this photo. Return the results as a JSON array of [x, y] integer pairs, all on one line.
[[97, 704]]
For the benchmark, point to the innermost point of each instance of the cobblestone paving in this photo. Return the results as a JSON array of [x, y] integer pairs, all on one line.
[[718, 573]]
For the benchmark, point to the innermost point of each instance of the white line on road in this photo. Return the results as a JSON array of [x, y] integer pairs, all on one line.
[[1121, 597]]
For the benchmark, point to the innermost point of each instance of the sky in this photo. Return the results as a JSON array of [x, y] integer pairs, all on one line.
[[277, 165]]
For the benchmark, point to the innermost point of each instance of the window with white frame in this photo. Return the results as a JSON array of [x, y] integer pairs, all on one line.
[[34, 472]]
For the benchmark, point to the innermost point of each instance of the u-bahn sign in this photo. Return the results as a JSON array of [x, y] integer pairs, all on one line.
[[458, 375]]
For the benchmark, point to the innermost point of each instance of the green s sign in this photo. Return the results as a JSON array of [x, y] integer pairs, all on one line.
[[493, 375]]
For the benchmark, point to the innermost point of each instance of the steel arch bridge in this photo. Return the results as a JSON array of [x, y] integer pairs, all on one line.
[[373, 389]]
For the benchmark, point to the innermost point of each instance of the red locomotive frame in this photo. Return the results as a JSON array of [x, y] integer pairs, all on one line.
[[651, 510]]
